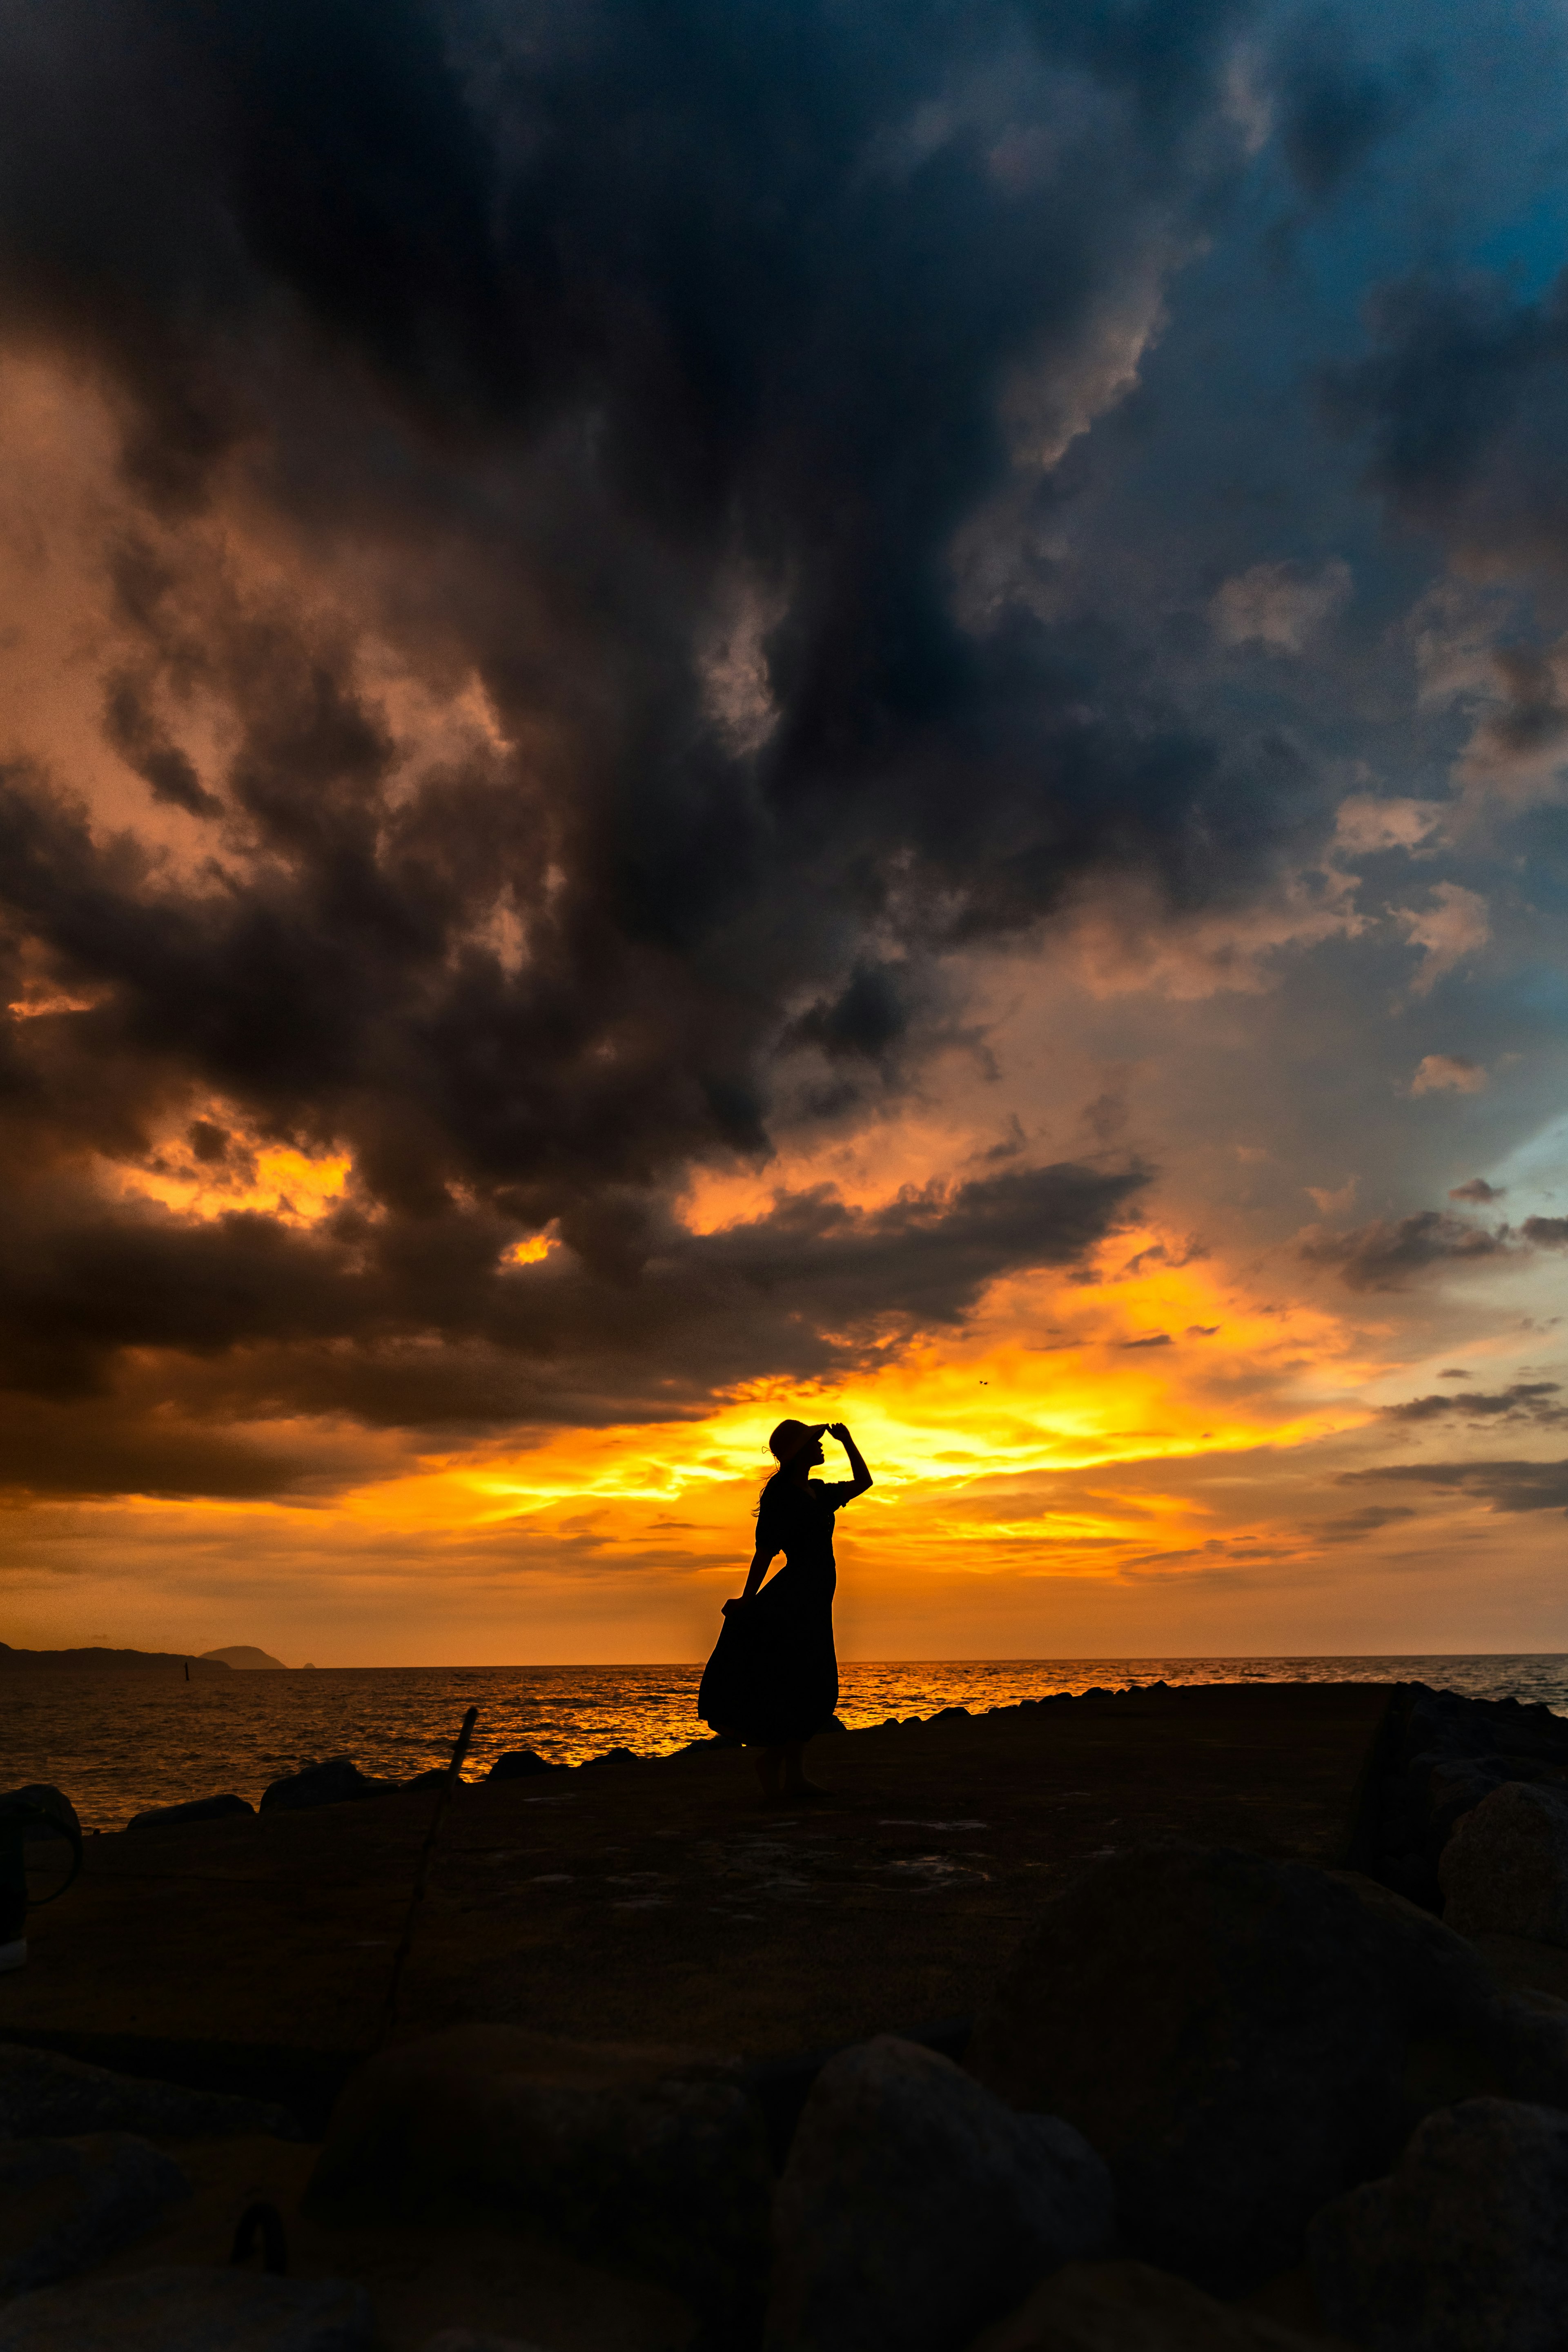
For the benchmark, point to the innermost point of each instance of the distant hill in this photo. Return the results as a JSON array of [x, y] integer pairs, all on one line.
[[245, 1653], [169, 1660]]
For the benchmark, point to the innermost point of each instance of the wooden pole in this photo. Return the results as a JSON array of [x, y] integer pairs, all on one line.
[[421, 1875]]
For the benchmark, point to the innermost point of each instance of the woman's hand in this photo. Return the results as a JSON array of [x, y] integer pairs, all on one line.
[[839, 1429]]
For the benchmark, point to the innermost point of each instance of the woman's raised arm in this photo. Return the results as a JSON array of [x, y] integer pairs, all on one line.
[[857, 1461]]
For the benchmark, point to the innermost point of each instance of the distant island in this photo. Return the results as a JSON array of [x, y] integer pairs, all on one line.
[[174, 1659], [241, 1655]]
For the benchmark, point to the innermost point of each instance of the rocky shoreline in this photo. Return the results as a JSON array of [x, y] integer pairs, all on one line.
[[1212, 2097]]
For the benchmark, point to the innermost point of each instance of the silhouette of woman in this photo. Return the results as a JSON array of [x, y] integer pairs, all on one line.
[[772, 1679]]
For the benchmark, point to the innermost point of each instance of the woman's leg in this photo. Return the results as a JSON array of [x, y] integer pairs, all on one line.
[[770, 1764]]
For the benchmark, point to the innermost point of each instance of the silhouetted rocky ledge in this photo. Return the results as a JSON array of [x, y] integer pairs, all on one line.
[[1192, 2091]]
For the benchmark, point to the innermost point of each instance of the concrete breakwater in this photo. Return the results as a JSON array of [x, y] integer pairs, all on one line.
[[1195, 2083]]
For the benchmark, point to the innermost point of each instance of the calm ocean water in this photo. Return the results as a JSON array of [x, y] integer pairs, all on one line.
[[116, 1741]]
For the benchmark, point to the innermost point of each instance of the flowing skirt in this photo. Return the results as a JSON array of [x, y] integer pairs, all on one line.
[[773, 1678]]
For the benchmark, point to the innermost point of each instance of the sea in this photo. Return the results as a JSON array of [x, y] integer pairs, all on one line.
[[118, 1741]]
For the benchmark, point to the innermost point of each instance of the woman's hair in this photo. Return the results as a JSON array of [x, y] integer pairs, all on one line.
[[771, 1480]]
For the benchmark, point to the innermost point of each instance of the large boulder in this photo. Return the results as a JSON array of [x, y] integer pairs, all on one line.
[[1131, 2307], [915, 2206], [1224, 2031], [170, 2310], [649, 2159], [195, 1808], [1504, 1870], [1440, 1756], [47, 1812], [1526, 2046], [337, 1781], [68, 2204], [519, 1764], [1464, 2248], [43, 2095]]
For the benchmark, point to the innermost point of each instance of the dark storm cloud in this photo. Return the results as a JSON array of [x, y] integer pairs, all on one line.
[[409, 1322], [1523, 1400], [1334, 108], [1478, 1192], [140, 1446], [1504, 1486], [648, 361], [1463, 401], [1386, 1253]]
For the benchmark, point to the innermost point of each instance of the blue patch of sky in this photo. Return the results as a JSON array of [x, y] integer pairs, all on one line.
[[1531, 250]]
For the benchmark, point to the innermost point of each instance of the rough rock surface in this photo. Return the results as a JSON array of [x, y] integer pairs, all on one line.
[[67, 2204], [338, 1781], [1225, 2030], [1129, 2308], [1504, 1871], [195, 1808], [1463, 2249], [518, 1764], [915, 2205], [466, 2339], [170, 2310], [1443, 1755], [43, 2095], [1469, 2037], [1527, 2045], [653, 2160]]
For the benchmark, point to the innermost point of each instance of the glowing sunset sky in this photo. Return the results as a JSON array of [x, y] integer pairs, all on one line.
[[719, 711]]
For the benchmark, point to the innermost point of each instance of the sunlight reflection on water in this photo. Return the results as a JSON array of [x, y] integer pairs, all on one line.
[[116, 1741]]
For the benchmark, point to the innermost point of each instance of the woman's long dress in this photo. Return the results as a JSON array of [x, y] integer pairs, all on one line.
[[773, 1678]]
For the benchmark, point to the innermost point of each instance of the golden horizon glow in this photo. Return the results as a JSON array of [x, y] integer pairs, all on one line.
[[968, 1440]]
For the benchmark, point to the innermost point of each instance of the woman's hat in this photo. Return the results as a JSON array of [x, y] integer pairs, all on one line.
[[790, 1436]]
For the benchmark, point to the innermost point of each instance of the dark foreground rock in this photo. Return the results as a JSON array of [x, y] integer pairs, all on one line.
[[1526, 2047], [170, 2310], [650, 2161], [1442, 1756], [43, 2095], [195, 1808], [1504, 1871], [915, 2205], [1231, 2034], [338, 1781], [1129, 2307], [465, 2339], [46, 1809], [1464, 2248], [518, 1764], [68, 2204]]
